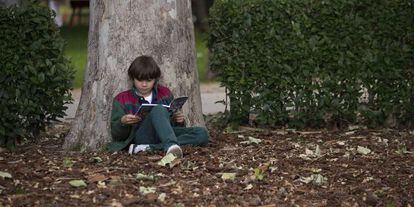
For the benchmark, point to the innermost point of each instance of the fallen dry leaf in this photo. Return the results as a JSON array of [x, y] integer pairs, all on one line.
[[363, 150], [78, 183], [5, 175], [228, 176], [167, 159], [146, 190], [96, 178]]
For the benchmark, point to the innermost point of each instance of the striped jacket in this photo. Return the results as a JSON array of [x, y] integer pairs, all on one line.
[[128, 102]]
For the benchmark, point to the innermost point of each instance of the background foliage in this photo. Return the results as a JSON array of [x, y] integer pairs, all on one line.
[[36, 78], [316, 63]]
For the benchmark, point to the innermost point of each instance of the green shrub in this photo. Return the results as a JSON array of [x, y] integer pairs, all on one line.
[[307, 63], [35, 77]]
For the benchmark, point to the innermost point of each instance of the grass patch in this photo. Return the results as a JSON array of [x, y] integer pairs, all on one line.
[[201, 54], [76, 50], [77, 46]]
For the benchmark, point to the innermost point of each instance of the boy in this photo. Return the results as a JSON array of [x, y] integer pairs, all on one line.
[[158, 130]]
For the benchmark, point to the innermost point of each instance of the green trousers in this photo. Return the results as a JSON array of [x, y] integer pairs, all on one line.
[[156, 130]]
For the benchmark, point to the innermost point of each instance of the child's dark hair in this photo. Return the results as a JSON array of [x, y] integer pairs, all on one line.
[[144, 68]]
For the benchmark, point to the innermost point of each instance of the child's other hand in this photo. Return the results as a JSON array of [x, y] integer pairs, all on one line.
[[130, 119], [178, 117]]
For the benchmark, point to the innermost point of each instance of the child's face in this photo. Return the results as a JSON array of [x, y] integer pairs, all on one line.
[[144, 86]]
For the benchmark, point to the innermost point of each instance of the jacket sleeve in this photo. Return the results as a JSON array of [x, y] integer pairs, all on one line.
[[119, 131]]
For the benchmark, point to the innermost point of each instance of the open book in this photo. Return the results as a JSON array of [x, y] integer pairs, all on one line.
[[174, 106]]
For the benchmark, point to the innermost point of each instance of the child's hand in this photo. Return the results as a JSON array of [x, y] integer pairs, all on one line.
[[178, 117], [130, 119]]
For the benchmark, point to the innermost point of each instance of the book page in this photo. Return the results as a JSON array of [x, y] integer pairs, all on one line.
[[178, 103], [174, 106], [144, 109]]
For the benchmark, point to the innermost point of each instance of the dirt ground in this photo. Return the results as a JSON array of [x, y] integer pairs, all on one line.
[[250, 167]]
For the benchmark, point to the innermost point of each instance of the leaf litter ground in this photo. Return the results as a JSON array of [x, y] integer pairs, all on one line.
[[250, 167]]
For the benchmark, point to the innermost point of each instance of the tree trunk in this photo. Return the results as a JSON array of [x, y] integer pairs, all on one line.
[[201, 13], [119, 31]]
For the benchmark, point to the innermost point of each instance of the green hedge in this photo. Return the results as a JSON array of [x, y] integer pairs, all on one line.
[[307, 63], [35, 77]]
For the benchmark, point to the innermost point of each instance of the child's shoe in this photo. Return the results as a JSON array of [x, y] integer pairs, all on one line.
[[135, 148], [175, 150]]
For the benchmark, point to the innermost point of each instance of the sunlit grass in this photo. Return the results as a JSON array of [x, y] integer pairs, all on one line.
[[202, 55], [76, 50]]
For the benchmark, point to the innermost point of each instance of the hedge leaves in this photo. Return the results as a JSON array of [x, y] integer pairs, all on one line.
[[35, 77], [316, 63]]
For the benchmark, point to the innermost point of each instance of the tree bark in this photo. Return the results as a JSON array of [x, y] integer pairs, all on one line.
[[119, 31]]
